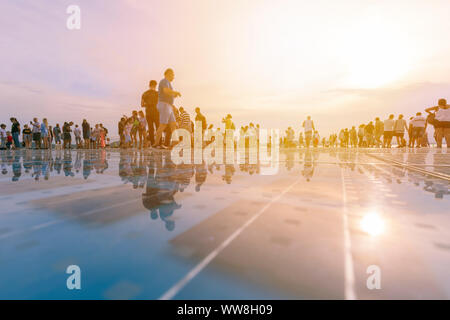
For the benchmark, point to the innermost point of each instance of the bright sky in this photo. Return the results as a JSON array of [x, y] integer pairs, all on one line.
[[270, 62]]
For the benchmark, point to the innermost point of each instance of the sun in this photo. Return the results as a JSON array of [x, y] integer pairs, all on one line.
[[372, 223]]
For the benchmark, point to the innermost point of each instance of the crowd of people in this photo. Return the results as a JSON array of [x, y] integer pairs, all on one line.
[[154, 128], [41, 135], [379, 134]]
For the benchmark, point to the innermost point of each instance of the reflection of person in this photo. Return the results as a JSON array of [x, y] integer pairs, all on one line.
[[308, 167], [160, 190], [200, 175], [166, 211], [16, 167], [229, 171], [438, 187]]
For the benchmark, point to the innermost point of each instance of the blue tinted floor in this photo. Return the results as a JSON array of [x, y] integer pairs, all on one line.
[[139, 226]]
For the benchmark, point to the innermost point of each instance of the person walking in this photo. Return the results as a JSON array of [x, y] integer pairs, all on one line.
[[166, 96]]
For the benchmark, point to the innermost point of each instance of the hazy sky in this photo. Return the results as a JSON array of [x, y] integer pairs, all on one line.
[[271, 62]]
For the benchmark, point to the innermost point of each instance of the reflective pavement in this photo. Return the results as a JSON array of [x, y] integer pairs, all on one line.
[[141, 227]]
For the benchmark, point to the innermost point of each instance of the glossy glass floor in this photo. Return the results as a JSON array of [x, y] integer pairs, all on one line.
[[141, 227]]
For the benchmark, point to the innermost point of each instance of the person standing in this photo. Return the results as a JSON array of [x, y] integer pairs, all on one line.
[[50, 137], [418, 124], [410, 132], [361, 135], [15, 132], [308, 125], [95, 136], [127, 132], [142, 130], [102, 136], [26, 134], [316, 139], [301, 142], [3, 136], [229, 125], [36, 133], [44, 133], [200, 117], [77, 133], [399, 131], [185, 120], [441, 122], [166, 96], [379, 128], [86, 128], [368, 132], [57, 136], [120, 130], [67, 138], [149, 101], [353, 137], [388, 131]]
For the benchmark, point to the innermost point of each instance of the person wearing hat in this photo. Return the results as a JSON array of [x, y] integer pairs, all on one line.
[[229, 125]]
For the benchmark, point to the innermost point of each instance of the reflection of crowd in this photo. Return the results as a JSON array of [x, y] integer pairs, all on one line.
[[41, 164], [161, 179], [41, 135], [398, 175]]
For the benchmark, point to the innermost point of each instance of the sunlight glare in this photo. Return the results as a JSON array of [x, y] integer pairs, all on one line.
[[373, 224]]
